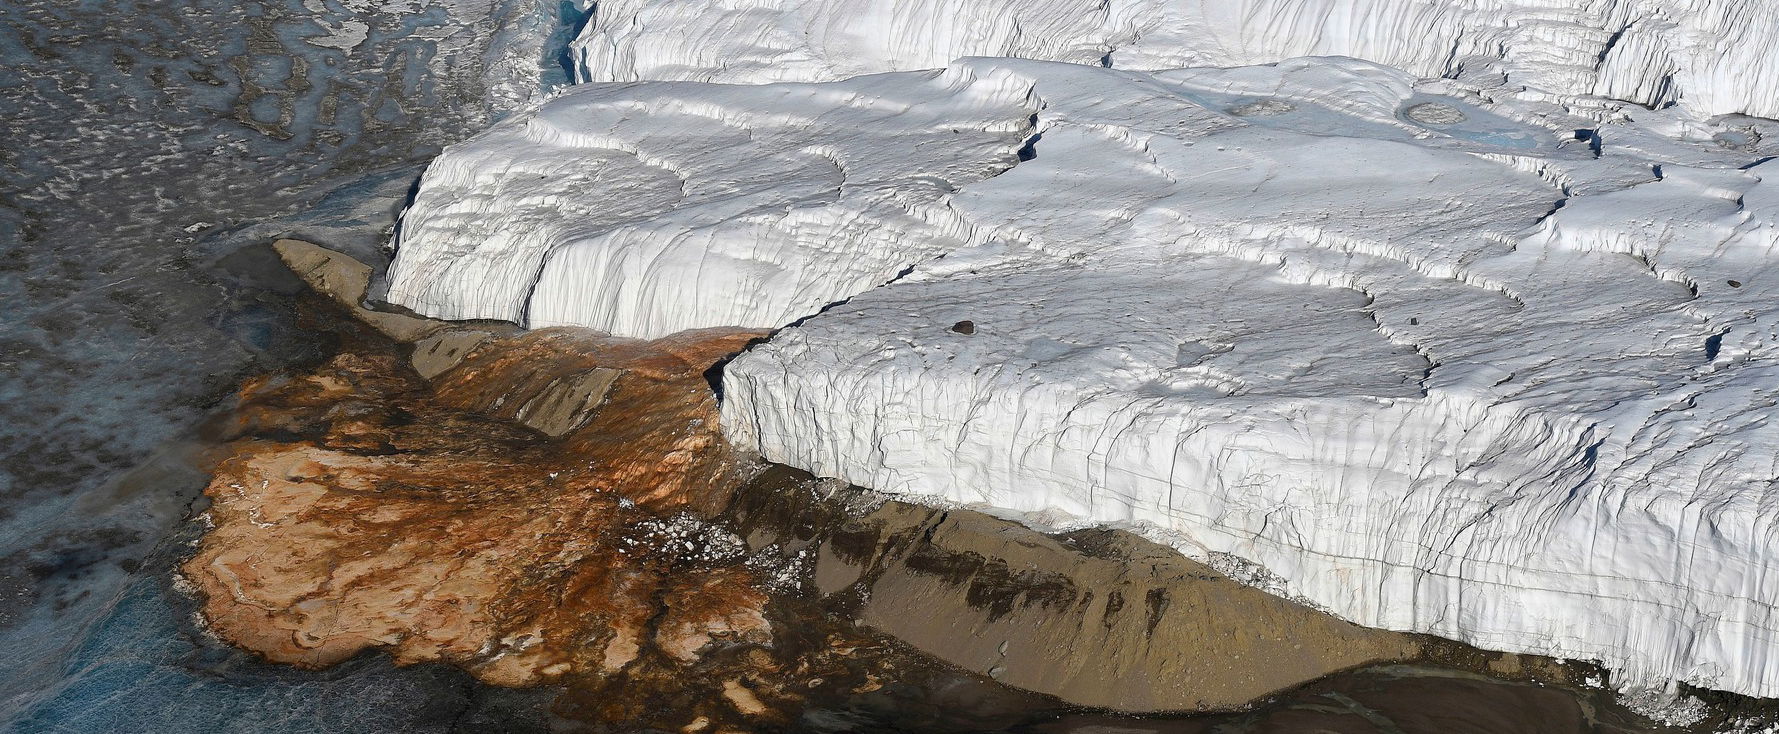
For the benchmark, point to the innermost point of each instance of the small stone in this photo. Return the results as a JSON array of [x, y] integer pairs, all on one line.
[[964, 327], [743, 699]]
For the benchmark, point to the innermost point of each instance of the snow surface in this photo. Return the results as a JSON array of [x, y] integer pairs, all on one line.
[[1714, 56], [1440, 357]]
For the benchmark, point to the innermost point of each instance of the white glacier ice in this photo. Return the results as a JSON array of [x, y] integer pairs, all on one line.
[[1380, 366], [1713, 56], [1477, 362], [645, 210]]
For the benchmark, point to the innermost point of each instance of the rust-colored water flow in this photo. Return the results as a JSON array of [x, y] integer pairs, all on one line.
[[559, 508]]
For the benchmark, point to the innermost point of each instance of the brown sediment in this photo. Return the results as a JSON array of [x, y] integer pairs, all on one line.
[[360, 506], [555, 506], [402, 517], [1395, 699], [651, 433], [1100, 618], [531, 507]]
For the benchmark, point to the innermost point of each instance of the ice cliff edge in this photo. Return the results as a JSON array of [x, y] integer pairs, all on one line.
[[1423, 350]]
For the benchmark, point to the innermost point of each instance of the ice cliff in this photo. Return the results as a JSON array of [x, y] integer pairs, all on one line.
[[1380, 366], [1471, 361], [645, 210], [1709, 55]]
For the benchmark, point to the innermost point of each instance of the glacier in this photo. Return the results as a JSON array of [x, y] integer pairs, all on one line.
[[1424, 384], [758, 205], [1445, 355], [1708, 55]]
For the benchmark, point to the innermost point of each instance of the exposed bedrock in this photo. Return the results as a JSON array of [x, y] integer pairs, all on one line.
[[1707, 55]]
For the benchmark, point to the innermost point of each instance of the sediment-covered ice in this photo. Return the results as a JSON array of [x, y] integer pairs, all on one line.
[[1709, 55], [1472, 362]]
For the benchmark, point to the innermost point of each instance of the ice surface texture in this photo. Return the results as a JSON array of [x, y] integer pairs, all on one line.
[[1440, 364], [1711, 55], [750, 206], [1385, 370]]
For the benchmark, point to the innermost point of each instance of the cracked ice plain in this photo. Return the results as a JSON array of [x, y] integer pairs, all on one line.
[[1709, 55], [1435, 363]]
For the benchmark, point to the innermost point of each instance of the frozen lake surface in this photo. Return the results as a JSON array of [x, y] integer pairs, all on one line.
[[151, 149]]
